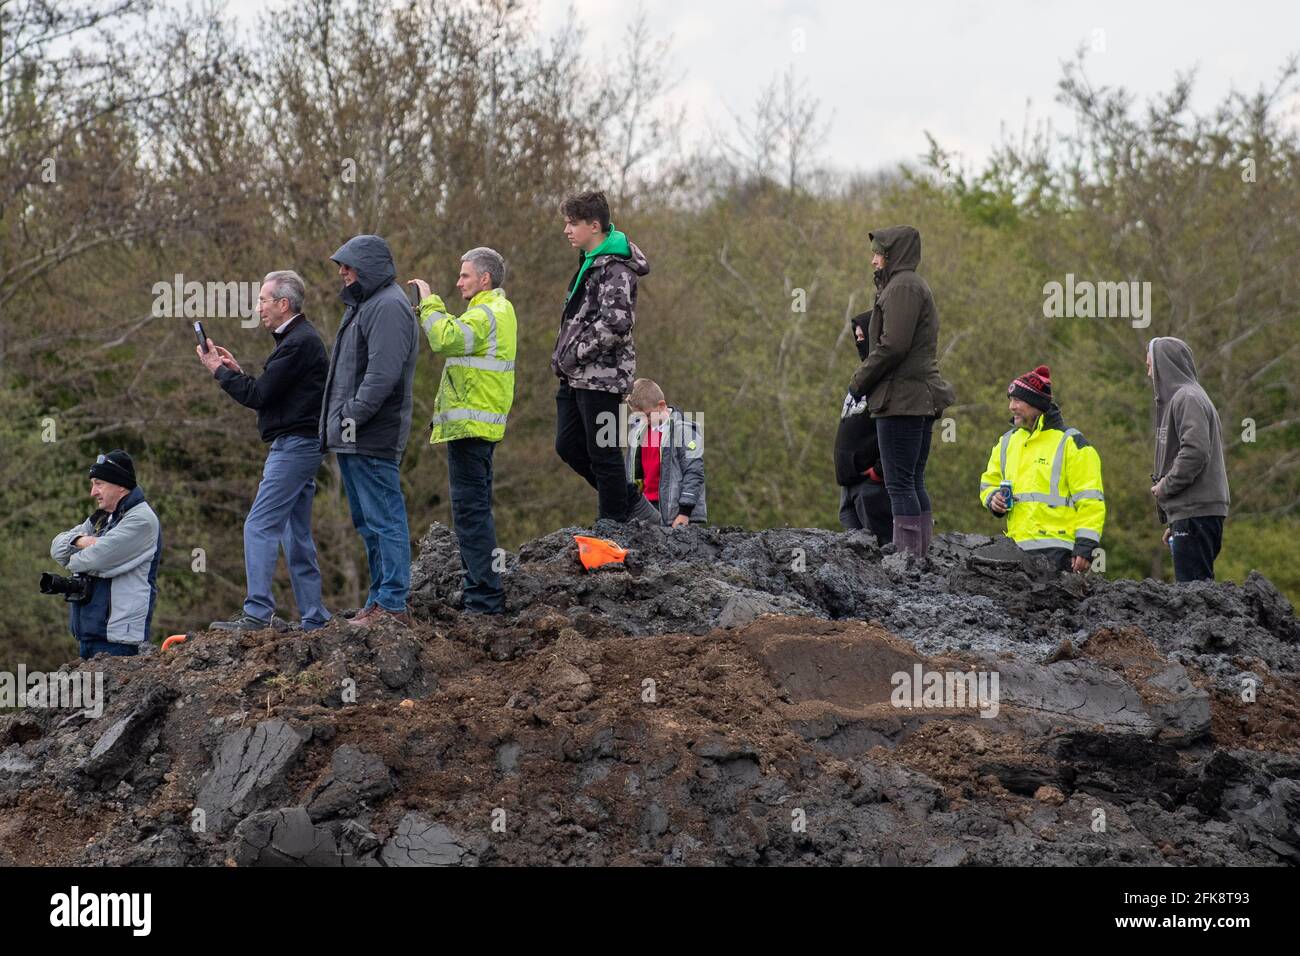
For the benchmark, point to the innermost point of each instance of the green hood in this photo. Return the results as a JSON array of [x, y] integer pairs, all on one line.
[[615, 244]]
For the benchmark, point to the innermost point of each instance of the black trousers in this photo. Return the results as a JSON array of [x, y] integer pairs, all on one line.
[[469, 470], [1195, 543], [582, 440], [865, 504], [904, 450], [1063, 558]]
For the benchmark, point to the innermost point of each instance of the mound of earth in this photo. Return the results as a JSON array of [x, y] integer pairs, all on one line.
[[722, 697]]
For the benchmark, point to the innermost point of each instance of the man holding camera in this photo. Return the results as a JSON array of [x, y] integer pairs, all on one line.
[[287, 397], [114, 557]]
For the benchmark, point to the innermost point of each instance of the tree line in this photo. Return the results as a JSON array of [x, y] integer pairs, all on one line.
[[140, 141]]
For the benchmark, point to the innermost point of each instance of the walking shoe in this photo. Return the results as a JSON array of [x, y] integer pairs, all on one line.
[[244, 622], [363, 615], [381, 615]]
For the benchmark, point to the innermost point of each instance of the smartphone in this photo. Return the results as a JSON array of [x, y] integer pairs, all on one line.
[[413, 295], [201, 335]]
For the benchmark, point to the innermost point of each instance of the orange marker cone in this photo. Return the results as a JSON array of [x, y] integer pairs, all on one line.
[[597, 552]]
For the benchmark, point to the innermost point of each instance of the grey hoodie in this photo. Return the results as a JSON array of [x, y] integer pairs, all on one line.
[[1189, 439], [372, 369]]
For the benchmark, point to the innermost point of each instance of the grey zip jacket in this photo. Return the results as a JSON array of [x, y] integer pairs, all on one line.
[[681, 466], [125, 558]]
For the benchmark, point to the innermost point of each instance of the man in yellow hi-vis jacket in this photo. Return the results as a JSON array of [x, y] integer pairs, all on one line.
[[1057, 507], [474, 398]]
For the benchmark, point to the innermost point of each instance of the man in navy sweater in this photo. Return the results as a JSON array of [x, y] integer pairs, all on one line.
[[287, 397]]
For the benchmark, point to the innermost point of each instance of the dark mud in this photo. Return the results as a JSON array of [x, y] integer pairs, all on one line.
[[725, 697]]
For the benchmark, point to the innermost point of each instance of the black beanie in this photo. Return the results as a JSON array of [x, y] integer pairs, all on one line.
[[115, 467], [1033, 388]]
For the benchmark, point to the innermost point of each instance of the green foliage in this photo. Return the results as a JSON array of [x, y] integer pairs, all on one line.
[[243, 157]]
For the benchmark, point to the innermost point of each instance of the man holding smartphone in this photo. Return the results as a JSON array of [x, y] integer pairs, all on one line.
[[287, 397]]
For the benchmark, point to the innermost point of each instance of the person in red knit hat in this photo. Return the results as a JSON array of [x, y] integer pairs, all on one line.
[[1057, 506]]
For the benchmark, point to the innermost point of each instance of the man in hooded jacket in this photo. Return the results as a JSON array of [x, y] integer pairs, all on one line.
[[594, 356], [366, 416], [1190, 479]]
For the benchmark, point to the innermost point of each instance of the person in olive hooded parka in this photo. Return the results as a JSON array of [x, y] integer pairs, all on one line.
[[900, 380]]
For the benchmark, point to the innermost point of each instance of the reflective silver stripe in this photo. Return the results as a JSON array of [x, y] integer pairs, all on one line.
[[1059, 461], [492, 331], [473, 414], [427, 324], [490, 364], [1006, 440], [466, 331], [1056, 501], [986, 484], [1087, 534], [1090, 493], [1036, 544]]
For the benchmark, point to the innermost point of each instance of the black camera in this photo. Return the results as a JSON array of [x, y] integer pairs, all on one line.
[[74, 589]]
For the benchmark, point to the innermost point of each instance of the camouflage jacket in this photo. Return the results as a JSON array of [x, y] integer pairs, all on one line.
[[594, 348]]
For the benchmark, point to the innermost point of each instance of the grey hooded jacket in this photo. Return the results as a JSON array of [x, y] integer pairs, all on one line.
[[368, 400], [1189, 460], [125, 559], [681, 466]]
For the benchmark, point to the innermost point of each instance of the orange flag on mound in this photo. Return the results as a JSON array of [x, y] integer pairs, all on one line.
[[597, 552]]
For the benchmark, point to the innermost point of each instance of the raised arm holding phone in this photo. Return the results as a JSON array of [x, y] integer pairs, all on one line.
[[287, 397]]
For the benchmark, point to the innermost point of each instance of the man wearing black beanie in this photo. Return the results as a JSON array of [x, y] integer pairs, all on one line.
[[116, 550]]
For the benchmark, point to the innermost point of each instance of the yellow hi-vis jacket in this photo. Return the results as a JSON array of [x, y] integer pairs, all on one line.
[[478, 379], [1056, 486]]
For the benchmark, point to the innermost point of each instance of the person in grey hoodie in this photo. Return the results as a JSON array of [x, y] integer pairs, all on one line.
[[1190, 479], [366, 416]]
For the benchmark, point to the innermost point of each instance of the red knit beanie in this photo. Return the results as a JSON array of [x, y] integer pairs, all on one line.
[[1033, 388]]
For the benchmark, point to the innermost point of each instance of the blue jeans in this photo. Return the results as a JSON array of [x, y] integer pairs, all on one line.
[[90, 648], [379, 515], [281, 515], [904, 449], [469, 471]]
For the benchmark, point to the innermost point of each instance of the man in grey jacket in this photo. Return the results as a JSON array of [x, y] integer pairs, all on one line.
[[1191, 480], [117, 550], [366, 417]]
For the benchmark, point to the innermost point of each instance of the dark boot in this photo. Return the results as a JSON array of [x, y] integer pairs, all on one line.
[[907, 534], [927, 531]]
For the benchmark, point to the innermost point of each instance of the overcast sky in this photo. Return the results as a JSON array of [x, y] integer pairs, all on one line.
[[891, 71]]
